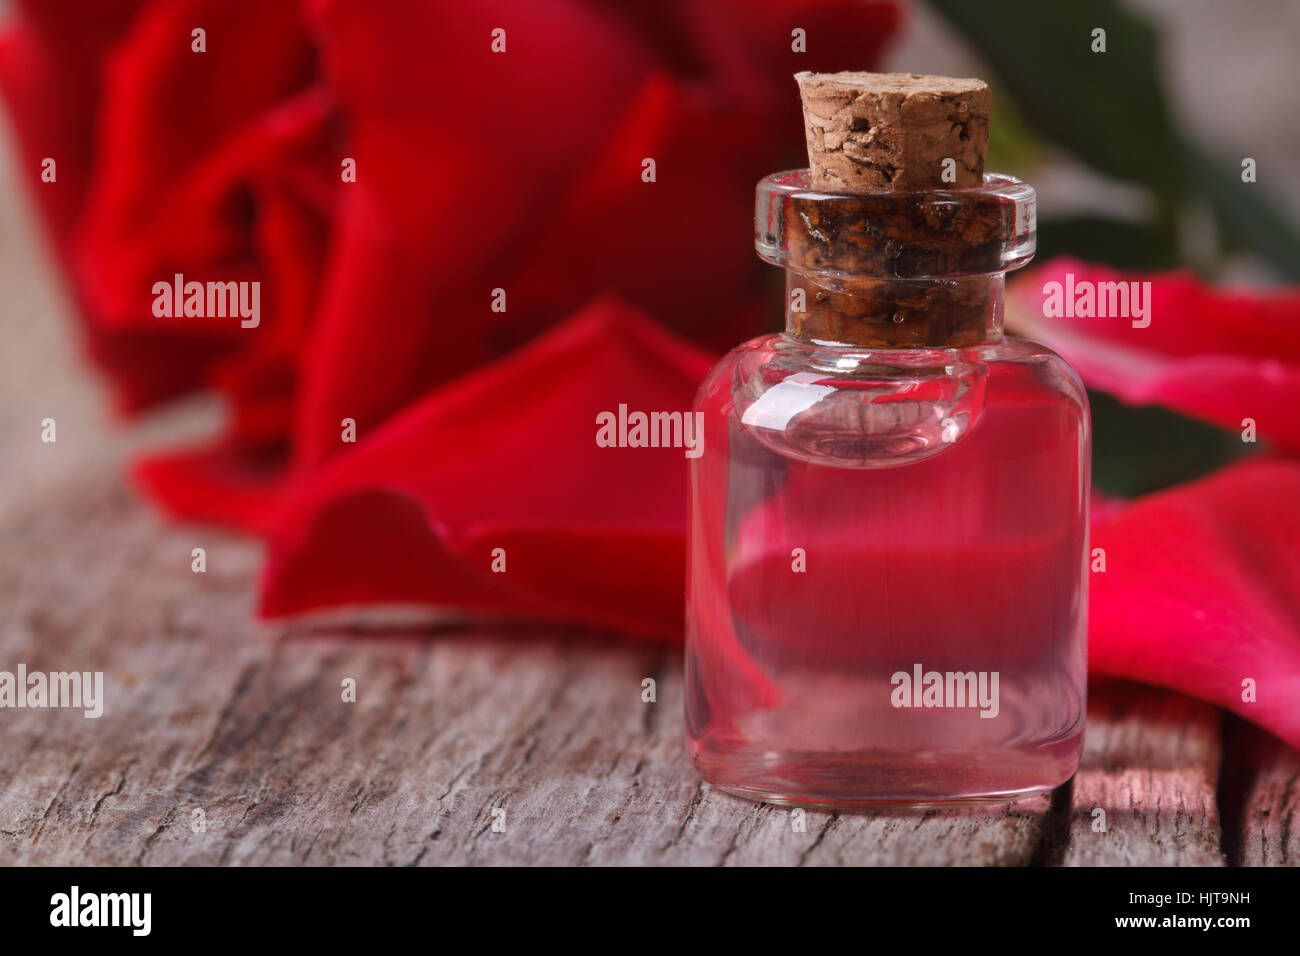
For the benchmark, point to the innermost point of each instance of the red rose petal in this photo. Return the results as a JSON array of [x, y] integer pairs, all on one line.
[[224, 484], [51, 57], [1220, 356], [1202, 591], [507, 457]]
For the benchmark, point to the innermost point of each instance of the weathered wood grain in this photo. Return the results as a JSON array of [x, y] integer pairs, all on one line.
[[208, 711], [1150, 766], [1269, 799]]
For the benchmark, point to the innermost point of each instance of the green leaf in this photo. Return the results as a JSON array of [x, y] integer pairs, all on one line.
[[1136, 451], [1139, 247], [1108, 109], [1013, 143], [1247, 213]]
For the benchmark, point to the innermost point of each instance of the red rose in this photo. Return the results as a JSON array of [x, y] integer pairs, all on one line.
[[476, 170]]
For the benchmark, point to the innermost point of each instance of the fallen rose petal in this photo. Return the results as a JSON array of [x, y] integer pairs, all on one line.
[[223, 484], [506, 457], [1217, 355], [1202, 592]]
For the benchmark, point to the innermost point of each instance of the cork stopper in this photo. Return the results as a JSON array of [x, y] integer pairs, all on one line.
[[872, 131]]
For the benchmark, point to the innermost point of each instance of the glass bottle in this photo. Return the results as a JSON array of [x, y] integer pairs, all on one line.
[[887, 590]]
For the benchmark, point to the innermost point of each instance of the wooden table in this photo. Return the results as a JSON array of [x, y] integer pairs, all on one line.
[[225, 741], [207, 711]]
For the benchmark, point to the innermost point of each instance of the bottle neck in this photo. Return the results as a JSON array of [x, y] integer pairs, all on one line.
[[895, 268], [929, 313]]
